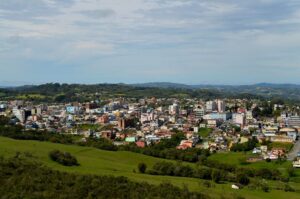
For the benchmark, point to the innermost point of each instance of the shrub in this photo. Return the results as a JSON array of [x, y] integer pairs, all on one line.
[[63, 158], [242, 179], [142, 167], [216, 176]]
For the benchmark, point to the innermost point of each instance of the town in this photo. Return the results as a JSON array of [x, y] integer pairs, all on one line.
[[218, 125]]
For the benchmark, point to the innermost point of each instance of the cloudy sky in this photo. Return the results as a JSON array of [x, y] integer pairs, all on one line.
[[130, 41]]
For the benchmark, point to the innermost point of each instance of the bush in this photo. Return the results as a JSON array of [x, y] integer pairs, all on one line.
[[142, 167], [216, 176], [63, 158], [288, 188], [242, 179]]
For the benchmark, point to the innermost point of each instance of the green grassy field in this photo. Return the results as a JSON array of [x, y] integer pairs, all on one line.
[[99, 162]]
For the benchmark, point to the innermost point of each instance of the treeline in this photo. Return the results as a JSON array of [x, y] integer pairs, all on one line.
[[206, 173], [20, 178], [253, 178]]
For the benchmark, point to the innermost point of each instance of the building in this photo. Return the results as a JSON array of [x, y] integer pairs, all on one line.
[[239, 118], [217, 116], [20, 114], [221, 106], [146, 117], [249, 115], [293, 121], [211, 106], [174, 109], [199, 113], [124, 123], [103, 119]]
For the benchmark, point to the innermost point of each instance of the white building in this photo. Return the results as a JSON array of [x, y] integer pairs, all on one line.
[[199, 113], [211, 106], [174, 109], [20, 114], [221, 106], [239, 118], [249, 115]]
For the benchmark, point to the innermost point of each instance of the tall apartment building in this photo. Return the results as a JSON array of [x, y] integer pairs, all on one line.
[[211, 106], [221, 106], [174, 109], [239, 118], [199, 113]]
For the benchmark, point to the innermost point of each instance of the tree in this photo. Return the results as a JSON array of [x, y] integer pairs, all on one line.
[[242, 179], [142, 167], [216, 176]]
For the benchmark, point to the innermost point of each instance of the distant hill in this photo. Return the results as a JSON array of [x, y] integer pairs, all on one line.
[[82, 92], [267, 90], [162, 85]]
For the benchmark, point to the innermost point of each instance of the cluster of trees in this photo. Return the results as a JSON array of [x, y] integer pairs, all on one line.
[[216, 172], [247, 146], [183, 170], [265, 173], [20, 178], [63, 158]]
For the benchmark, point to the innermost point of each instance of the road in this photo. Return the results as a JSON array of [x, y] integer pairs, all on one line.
[[293, 153]]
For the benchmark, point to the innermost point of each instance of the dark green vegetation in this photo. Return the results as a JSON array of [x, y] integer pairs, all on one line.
[[123, 163], [216, 171], [55, 92], [21, 178], [247, 146], [204, 132], [265, 90], [63, 158]]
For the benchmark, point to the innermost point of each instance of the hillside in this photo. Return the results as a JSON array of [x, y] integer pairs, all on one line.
[[94, 161], [55, 92]]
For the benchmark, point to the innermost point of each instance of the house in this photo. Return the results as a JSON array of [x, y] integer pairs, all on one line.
[[185, 144], [282, 139], [130, 139], [140, 144], [296, 163], [256, 151]]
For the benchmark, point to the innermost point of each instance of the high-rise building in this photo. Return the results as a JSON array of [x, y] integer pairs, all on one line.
[[174, 109], [199, 113], [239, 118], [211, 106], [20, 114], [221, 106]]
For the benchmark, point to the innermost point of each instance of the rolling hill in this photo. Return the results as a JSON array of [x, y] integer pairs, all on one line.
[[120, 163]]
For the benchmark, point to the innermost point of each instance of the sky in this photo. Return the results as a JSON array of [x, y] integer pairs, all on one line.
[[136, 41]]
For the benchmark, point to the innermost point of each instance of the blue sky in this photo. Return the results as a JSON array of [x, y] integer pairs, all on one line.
[[131, 41]]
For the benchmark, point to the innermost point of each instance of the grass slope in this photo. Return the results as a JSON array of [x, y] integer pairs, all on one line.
[[120, 163]]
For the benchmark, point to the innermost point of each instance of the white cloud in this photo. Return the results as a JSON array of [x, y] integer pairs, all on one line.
[[206, 33]]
